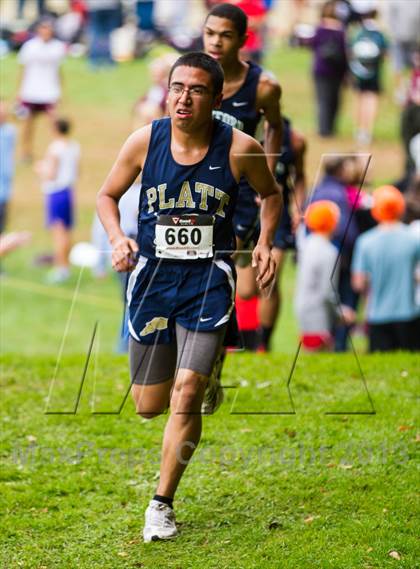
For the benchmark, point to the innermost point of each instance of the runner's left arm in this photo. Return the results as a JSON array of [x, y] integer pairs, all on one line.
[[268, 100]]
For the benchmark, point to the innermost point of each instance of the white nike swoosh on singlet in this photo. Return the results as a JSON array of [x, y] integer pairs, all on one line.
[[214, 167], [205, 319], [239, 104]]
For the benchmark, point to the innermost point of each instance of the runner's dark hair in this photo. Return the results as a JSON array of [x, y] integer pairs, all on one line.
[[203, 61], [232, 13]]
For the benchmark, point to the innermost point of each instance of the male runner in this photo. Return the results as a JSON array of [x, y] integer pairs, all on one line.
[[181, 291], [249, 95]]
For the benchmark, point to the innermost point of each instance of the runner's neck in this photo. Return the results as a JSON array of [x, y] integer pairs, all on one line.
[[190, 147], [235, 71]]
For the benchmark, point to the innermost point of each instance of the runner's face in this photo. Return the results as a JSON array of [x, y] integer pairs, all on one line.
[[221, 40], [191, 99]]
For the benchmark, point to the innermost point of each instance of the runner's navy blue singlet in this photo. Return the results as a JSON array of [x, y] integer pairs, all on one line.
[[205, 188], [240, 111], [184, 274]]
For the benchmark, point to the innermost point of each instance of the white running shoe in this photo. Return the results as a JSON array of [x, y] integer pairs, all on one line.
[[213, 397], [159, 522]]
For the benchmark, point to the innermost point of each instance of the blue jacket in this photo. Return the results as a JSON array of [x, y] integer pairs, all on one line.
[[332, 189]]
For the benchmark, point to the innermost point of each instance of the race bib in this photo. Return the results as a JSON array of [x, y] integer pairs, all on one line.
[[185, 237]]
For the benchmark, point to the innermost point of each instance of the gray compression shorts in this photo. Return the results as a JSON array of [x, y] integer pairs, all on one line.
[[192, 350]]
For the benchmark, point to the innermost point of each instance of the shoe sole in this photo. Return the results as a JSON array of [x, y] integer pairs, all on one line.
[[155, 537]]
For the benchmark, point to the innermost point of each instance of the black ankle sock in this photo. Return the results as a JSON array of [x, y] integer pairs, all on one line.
[[250, 339], [266, 333], [164, 499]]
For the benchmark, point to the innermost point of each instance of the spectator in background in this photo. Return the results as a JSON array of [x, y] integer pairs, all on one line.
[[340, 172], [40, 4], [269, 4], [40, 82], [104, 16], [367, 51], [316, 302], [329, 67], [360, 202], [256, 11], [412, 202], [173, 20], [297, 12], [7, 162], [153, 104], [59, 172], [384, 266], [146, 20], [70, 26], [410, 120], [412, 214], [345, 12], [403, 25]]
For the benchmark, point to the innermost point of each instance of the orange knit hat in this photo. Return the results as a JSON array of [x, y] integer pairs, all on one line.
[[322, 216], [388, 204]]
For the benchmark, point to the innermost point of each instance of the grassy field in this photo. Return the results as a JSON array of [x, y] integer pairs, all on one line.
[[271, 491], [317, 480]]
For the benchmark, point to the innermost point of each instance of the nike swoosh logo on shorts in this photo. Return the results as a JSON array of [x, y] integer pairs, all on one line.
[[239, 103], [214, 167], [206, 319]]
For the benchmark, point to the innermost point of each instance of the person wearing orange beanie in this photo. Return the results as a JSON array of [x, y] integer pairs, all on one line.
[[388, 204], [384, 267], [322, 217], [316, 301]]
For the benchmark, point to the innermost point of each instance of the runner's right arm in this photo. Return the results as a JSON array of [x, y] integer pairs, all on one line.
[[125, 170]]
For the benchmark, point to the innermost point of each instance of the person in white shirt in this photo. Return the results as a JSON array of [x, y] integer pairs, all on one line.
[[58, 172], [40, 82]]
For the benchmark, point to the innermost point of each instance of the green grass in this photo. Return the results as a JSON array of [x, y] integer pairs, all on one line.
[[272, 491], [55, 318]]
